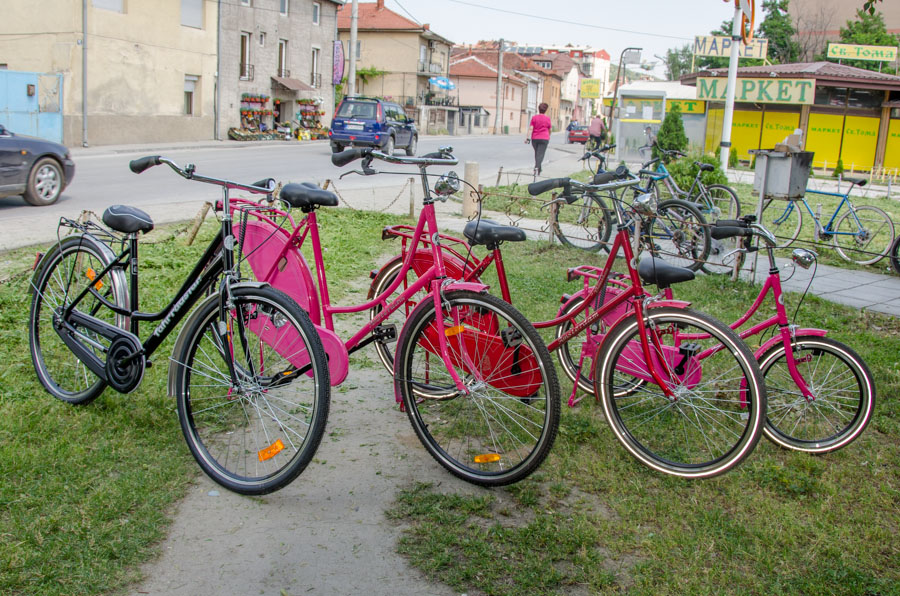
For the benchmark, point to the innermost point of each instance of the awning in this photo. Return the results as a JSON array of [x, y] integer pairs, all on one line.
[[292, 84]]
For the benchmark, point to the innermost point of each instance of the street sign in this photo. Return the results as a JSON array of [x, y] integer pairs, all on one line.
[[720, 46], [768, 90], [631, 57], [845, 51], [590, 88]]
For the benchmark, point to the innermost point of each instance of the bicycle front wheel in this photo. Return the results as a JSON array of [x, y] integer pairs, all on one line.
[[500, 429], [843, 388], [895, 255], [784, 219], [678, 234], [585, 224], [256, 430], [711, 413], [65, 271], [867, 241], [719, 202]]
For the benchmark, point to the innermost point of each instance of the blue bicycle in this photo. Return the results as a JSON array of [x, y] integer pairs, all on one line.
[[862, 235]]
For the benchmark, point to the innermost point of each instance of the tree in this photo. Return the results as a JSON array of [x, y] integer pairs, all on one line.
[[678, 62], [867, 30], [671, 135], [869, 6], [778, 29]]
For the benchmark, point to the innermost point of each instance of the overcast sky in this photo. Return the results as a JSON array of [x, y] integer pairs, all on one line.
[[654, 25]]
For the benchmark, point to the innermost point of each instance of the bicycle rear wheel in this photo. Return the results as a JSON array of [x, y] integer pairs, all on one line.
[[503, 428], [844, 395], [867, 242], [895, 255], [584, 224], [64, 272], [255, 431], [784, 219], [715, 414], [678, 234]]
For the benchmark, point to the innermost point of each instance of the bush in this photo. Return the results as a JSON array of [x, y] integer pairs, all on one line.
[[683, 171], [838, 169], [671, 135]]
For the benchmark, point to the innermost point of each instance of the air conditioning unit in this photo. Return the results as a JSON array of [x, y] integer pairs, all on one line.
[[431, 44]]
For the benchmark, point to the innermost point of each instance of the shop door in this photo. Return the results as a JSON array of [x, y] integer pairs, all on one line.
[[30, 104]]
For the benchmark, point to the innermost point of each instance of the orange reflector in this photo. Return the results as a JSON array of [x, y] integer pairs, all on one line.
[[487, 458], [92, 275], [451, 331], [271, 451]]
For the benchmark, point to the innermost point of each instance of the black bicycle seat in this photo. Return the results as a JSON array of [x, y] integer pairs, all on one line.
[[860, 181], [306, 196], [661, 274], [490, 233], [127, 220], [704, 167]]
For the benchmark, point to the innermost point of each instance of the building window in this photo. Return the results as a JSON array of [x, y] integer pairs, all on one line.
[[190, 94], [262, 39], [316, 76], [245, 2], [282, 58], [317, 10], [358, 48], [192, 13], [246, 73], [283, 8], [831, 96], [113, 5]]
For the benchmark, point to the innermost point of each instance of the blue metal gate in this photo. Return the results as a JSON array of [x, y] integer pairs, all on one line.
[[31, 103]]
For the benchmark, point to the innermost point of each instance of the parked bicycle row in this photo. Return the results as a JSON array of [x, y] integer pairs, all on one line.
[[253, 364]]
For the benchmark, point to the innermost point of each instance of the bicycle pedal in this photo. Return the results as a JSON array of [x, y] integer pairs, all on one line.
[[385, 333], [511, 337]]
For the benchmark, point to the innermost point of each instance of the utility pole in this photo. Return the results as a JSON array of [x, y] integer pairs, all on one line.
[[499, 86], [351, 74], [612, 109], [732, 82]]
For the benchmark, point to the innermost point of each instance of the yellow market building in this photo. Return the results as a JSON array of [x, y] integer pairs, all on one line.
[[845, 113]]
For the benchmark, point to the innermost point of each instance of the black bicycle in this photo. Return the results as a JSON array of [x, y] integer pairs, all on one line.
[[248, 370]]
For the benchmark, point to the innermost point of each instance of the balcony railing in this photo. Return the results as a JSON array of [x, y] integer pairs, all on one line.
[[429, 68], [315, 79], [284, 73], [246, 72]]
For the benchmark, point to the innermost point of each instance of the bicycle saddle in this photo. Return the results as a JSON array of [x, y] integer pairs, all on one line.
[[661, 274], [490, 233], [704, 167], [860, 181], [127, 220], [306, 196]]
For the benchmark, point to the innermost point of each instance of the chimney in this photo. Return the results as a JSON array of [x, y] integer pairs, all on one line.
[[425, 26], [379, 4]]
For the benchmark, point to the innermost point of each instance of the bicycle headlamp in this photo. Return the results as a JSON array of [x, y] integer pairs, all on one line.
[[645, 204], [447, 184], [803, 257]]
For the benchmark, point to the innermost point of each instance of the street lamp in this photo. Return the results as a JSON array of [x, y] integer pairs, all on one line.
[[633, 56]]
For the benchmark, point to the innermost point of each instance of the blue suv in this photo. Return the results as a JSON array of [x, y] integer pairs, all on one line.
[[371, 122]]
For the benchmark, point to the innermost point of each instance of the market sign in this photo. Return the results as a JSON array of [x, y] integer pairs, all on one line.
[[719, 46], [768, 90], [845, 51], [590, 88], [688, 106]]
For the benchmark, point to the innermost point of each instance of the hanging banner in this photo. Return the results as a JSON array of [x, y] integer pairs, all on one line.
[[845, 51], [337, 71], [720, 46], [768, 90], [590, 88]]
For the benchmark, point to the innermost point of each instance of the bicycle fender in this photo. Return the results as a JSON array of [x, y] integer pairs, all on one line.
[[470, 286], [673, 303], [777, 340]]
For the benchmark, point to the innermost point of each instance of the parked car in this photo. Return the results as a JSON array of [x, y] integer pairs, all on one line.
[[33, 167], [372, 122], [577, 134]]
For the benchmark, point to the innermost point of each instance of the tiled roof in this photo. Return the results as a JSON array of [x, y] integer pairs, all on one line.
[[475, 67], [373, 15], [804, 70], [510, 60]]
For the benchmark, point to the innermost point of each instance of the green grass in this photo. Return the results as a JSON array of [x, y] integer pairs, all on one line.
[[86, 492]]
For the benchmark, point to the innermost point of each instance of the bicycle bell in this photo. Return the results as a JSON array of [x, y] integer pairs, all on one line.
[[803, 257], [447, 184], [645, 204]]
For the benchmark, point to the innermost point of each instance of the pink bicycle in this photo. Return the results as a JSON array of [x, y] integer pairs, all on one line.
[[475, 380], [687, 407]]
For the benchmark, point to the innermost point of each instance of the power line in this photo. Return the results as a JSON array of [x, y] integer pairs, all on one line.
[[417, 21], [565, 22]]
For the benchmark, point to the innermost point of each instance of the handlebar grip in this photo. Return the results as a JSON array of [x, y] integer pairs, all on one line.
[[139, 165], [604, 177], [608, 147], [345, 157], [718, 232], [265, 183], [536, 188], [732, 223]]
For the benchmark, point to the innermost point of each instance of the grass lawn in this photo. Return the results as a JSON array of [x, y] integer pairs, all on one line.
[[85, 492]]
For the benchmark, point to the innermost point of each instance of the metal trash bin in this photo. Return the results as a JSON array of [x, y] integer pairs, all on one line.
[[784, 173]]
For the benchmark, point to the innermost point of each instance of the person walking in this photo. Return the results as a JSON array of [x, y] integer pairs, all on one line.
[[597, 131], [539, 135]]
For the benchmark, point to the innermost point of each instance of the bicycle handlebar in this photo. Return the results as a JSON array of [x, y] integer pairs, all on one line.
[[443, 157], [602, 182], [746, 226], [140, 165]]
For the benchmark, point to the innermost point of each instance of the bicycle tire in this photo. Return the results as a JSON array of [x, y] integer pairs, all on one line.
[[67, 268], [874, 239], [716, 202], [585, 226], [834, 419], [665, 434], [895, 255], [503, 429], [256, 433], [784, 219], [678, 234]]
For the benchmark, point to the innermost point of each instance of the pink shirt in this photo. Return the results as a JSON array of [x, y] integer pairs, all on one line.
[[597, 127], [541, 125]]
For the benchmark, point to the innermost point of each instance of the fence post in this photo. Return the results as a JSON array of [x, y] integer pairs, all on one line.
[[499, 174], [470, 200], [198, 221], [412, 198]]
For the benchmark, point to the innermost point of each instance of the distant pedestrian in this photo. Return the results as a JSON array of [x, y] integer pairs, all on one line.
[[597, 131], [539, 135], [572, 125]]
